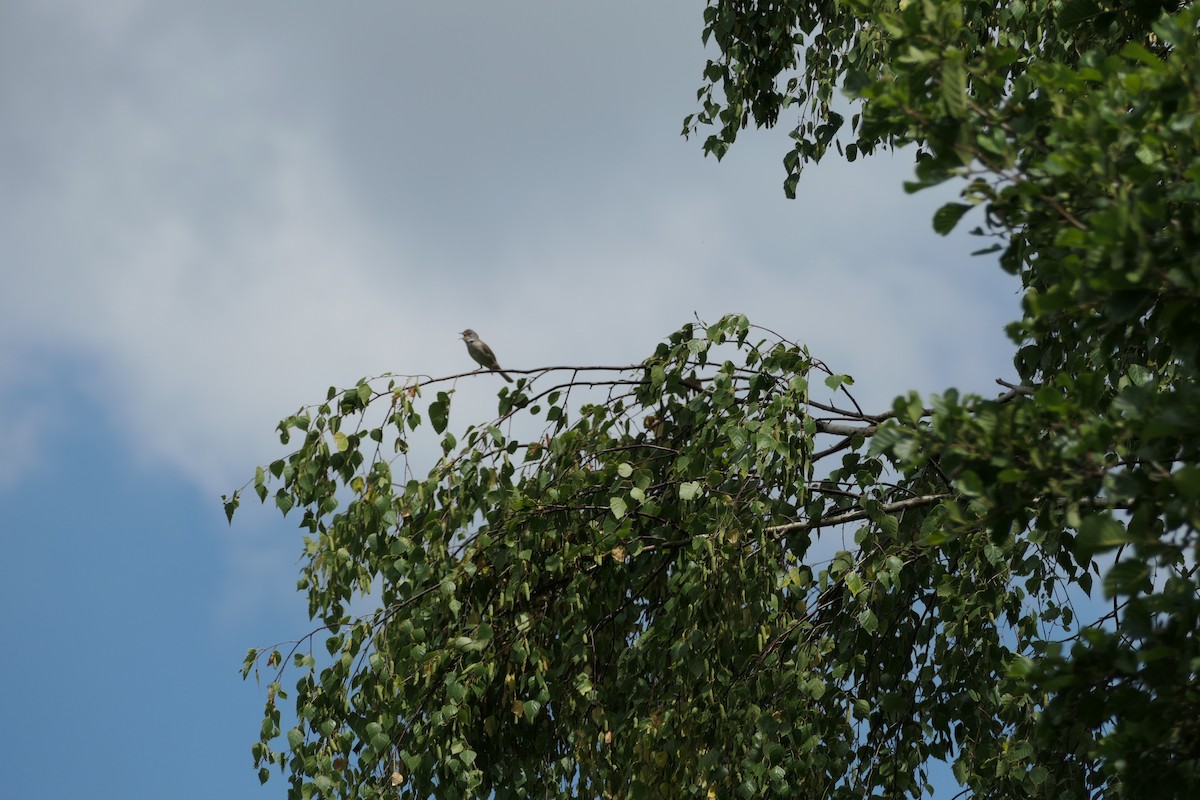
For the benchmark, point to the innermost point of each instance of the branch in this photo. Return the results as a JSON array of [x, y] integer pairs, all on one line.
[[844, 430], [828, 451], [853, 516], [1014, 390], [847, 414]]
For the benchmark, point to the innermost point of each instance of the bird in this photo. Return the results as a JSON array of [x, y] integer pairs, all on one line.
[[482, 354]]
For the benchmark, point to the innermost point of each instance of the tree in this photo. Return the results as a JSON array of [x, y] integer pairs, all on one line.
[[640, 598]]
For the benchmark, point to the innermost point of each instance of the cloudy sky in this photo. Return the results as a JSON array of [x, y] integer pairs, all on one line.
[[212, 211]]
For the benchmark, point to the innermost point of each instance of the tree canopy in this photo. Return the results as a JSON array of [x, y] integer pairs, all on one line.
[[698, 577]]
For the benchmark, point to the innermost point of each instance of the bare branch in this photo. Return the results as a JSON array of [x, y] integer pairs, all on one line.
[[854, 516], [1014, 390]]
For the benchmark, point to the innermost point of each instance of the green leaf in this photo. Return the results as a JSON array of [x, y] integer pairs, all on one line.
[[1127, 577], [954, 87], [465, 644], [496, 434], [1020, 667], [947, 217], [1100, 532], [439, 412], [1078, 12], [230, 506], [618, 506], [1187, 481]]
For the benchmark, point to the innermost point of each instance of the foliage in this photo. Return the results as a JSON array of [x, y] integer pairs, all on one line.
[[1073, 128], [629, 582]]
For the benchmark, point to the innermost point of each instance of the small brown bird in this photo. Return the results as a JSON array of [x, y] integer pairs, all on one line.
[[482, 354]]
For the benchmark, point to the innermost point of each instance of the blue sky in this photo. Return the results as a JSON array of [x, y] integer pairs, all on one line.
[[210, 212]]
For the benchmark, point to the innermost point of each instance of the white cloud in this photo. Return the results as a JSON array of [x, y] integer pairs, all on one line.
[[215, 276]]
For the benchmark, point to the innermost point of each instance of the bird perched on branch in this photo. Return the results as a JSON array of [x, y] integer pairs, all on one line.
[[482, 354]]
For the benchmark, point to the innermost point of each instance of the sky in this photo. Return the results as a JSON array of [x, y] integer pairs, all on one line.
[[211, 212]]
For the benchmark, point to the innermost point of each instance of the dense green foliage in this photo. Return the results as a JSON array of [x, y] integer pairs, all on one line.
[[636, 582]]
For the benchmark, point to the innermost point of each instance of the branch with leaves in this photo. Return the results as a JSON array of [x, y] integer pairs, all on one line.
[[550, 593]]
